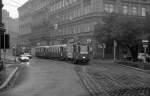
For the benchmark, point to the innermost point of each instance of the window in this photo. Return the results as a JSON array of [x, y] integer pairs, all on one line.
[[125, 9], [106, 7], [63, 3], [143, 11], [109, 8], [86, 3], [74, 0], [87, 9], [134, 11]]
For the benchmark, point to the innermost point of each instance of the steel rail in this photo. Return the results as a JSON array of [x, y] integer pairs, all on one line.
[[134, 90], [87, 83]]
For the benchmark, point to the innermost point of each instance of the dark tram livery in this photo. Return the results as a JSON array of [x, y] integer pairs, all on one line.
[[75, 52]]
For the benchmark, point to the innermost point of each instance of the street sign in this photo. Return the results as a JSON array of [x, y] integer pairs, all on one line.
[[145, 41], [115, 43], [88, 40], [145, 46], [55, 26], [100, 46], [104, 45]]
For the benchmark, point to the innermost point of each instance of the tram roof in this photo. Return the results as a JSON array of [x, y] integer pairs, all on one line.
[[51, 46]]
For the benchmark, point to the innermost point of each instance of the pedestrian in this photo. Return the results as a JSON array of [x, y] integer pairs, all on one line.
[[142, 57], [16, 59]]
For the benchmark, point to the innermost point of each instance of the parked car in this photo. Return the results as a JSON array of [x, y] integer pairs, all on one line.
[[23, 58], [142, 57], [28, 55]]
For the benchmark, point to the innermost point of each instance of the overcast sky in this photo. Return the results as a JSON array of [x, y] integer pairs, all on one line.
[[12, 5]]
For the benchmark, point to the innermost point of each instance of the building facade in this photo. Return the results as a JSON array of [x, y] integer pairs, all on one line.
[[58, 21], [12, 27], [25, 20]]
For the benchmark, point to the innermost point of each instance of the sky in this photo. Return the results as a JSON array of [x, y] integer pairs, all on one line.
[[12, 5]]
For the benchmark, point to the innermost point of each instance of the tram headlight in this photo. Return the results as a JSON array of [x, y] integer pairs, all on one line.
[[83, 57]]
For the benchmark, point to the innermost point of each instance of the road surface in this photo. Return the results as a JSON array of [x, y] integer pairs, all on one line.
[[47, 78]]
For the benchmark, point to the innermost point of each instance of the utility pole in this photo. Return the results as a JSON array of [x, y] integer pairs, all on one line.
[[115, 45], [2, 30]]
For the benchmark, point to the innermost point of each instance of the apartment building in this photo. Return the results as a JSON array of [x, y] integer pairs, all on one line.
[[58, 21]]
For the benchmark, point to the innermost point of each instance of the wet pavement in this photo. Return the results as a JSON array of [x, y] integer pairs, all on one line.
[[47, 78]]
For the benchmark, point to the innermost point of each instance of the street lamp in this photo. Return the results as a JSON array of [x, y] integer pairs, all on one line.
[[1, 32], [1, 6]]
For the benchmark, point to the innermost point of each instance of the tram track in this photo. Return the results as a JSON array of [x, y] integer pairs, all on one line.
[[88, 84], [129, 86], [100, 83]]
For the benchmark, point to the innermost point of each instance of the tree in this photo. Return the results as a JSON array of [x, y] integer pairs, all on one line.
[[124, 29]]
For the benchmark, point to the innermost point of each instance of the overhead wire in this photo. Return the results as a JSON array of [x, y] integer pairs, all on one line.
[[19, 1], [11, 5], [12, 2], [16, 2]]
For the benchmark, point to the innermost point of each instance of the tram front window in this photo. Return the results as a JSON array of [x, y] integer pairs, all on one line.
[[83, 49]]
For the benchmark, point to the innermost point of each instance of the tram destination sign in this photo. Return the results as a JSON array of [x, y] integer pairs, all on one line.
[[145, 43]]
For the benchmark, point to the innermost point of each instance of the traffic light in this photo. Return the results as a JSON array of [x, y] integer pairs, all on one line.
[[2, 28], [4, 41]]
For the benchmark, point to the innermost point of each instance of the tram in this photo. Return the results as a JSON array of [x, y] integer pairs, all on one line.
[[76, 52]]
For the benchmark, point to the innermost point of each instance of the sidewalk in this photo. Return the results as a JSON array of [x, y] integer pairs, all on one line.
[[7, 75]]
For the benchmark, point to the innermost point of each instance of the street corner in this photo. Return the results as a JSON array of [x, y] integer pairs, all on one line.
[[7, 75]]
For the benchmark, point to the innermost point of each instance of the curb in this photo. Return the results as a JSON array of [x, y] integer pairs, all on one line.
[[146, 71], [9, 78]]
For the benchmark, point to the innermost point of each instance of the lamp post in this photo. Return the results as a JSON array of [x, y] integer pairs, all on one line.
[[1, 32], [1, 6]]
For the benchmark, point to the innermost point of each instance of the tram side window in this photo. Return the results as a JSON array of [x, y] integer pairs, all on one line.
[[44, 50], [61, 49], [88, 48], [75, 48], [52, 49], [40, 49], [79, 49], [58, 49]]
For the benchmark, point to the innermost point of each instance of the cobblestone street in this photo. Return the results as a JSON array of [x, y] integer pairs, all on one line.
[[109, 79]]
